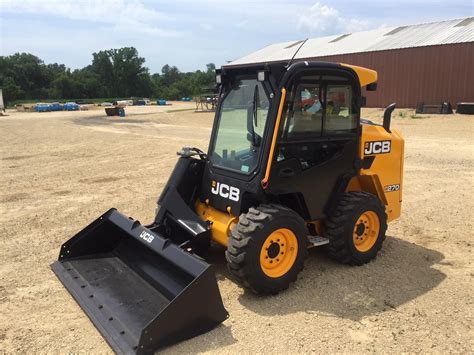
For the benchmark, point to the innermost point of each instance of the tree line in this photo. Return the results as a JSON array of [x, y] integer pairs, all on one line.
[[113, 73]]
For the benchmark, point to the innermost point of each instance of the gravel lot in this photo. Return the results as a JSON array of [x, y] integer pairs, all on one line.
[[61, 170]]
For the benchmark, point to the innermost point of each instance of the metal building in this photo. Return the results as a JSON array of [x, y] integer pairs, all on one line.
[[430, 63]]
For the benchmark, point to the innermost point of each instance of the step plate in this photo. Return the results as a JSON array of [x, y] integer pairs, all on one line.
[[316, 240]]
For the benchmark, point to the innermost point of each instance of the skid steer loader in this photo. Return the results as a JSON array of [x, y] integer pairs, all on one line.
[[290, 165]]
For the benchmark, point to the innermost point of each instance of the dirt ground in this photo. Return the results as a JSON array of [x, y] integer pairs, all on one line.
[[61, 170]]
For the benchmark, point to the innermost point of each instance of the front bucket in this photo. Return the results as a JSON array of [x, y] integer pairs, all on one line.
[[141, 291]]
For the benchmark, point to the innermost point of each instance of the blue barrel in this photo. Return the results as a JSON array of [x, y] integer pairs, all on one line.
[[55, 106], [42, 107], [71, 106], [121, 112]]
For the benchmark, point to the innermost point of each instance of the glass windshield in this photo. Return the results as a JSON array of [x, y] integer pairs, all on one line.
[[241, 124]]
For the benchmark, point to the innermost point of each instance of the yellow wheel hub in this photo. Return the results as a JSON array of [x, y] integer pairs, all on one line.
[[278, 253], [366, 231]]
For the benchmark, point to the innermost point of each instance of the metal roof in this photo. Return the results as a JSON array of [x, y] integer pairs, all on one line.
[[426, 34]]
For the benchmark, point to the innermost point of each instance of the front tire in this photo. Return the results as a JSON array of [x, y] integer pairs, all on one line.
[[356, 229], [267, 248]]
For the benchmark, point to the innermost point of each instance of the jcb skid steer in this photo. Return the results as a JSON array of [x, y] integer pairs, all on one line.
[[290, 165]]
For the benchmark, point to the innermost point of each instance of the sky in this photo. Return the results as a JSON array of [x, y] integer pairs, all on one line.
[[189, 34]]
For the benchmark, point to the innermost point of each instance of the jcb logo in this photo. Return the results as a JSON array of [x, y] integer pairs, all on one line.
[[377, 147], [147, 236], [226, 191]]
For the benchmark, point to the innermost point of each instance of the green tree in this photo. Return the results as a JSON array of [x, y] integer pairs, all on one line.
[[63, 86], [104, 68], [26, 71], [170, 75], [123, 72], [113, 73], [11, 90], [211, 67]]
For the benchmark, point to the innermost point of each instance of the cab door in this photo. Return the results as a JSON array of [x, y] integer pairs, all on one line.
[[317, 145]]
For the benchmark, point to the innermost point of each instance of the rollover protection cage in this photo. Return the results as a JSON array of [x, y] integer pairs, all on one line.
[[141, 291]]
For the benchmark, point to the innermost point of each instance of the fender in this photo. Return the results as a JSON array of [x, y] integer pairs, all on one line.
[[368, 183]]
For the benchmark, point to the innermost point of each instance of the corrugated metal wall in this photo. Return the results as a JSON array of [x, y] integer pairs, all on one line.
[[424, 74]]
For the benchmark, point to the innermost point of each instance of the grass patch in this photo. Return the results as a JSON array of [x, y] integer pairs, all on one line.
[[415, 117]]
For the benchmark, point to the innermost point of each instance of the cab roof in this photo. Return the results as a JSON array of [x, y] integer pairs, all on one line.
[[366, 76]]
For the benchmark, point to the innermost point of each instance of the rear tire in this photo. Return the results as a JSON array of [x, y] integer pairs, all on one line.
[[356, 229], [267, 248]]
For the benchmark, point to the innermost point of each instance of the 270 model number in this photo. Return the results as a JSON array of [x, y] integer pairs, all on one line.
[[390, 188]]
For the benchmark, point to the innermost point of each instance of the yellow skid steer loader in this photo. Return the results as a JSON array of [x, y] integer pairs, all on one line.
[[290, 165]]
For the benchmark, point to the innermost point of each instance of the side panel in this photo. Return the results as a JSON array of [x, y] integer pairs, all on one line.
[[383, 155], [319, 183]]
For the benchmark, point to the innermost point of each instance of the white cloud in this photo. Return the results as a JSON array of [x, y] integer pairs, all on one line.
[[124, 16], [242, 24], [325, 20], [206, 26]]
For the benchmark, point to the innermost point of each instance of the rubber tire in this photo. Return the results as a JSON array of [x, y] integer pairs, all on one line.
[[339, 228], [246, 240]]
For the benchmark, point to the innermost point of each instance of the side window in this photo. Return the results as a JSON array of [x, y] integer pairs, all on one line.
[[304, 112], [318, 107], [340, 117]]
